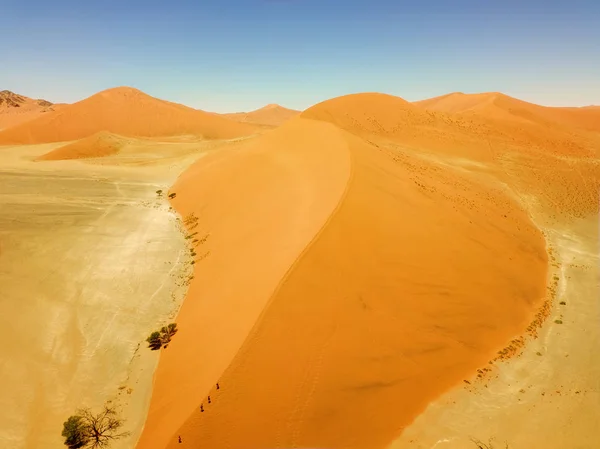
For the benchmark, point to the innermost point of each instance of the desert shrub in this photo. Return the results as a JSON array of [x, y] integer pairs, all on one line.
[[167, 333], [558, 321], [161, 338], [75, 432], [563, 303], [154, 341], [159, 192], [172, 195], [88, 430]]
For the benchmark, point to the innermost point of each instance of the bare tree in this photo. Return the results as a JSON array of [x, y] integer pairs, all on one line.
[[86, 429]]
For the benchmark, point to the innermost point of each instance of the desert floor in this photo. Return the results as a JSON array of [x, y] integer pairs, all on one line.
[[91, 261]]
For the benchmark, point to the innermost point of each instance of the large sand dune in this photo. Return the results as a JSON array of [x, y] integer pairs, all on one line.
[[127, 112], [269, 115], [500, 106], [339, 332]]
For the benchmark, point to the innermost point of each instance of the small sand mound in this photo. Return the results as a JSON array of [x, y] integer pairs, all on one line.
[[99, 145], [127, 112]]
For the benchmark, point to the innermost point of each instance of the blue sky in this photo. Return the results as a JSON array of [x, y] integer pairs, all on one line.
[[236, 55]]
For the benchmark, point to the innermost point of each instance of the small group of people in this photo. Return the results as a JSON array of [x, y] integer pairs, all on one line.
[[201, 409]]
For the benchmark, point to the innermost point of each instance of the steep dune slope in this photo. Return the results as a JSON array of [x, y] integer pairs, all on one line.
[[258, 206], [97, 145], [409, 280], [125, 111], [270, 115]]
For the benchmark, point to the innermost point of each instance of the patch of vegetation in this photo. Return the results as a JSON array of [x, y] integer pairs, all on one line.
[[158, 339], [538, 353], [159, 192], [191, 221], [558, 321], [563, 303], [85, 429], [172, 195]]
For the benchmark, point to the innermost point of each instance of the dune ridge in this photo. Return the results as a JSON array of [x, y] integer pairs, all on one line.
[[127, 112], [242, 198], [269, 115], [500, 106], [367, 325]]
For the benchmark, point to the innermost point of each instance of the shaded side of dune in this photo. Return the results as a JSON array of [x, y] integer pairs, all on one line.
[[417, 279], [258, 205]]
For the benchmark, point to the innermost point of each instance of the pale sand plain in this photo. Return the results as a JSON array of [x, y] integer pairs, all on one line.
[[91, 261]]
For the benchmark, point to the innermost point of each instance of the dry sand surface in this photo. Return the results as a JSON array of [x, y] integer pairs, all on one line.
[[271, 115], [371, 273], [422, 256], [127, 112], [91, 261]]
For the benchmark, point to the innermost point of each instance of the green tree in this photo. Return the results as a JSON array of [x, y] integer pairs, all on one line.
[[75, 432], [154, 341], [167, 333]]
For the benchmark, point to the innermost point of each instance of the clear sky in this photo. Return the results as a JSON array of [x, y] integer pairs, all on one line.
[[238, 55]]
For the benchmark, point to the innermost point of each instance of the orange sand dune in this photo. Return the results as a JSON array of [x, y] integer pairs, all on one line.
[[259, 204], [500, 106], [270, 115], [16, 109], [379, 116], [557, 164], [127, 112], [97, 145], [377, 280]]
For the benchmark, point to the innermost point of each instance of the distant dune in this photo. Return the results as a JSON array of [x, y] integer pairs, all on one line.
[[500, 106], [362, 282], [98, 145], [127, 112], [16, 109], [270, 115]]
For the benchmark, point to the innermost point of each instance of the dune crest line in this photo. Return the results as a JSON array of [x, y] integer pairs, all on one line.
[[258, 203]]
